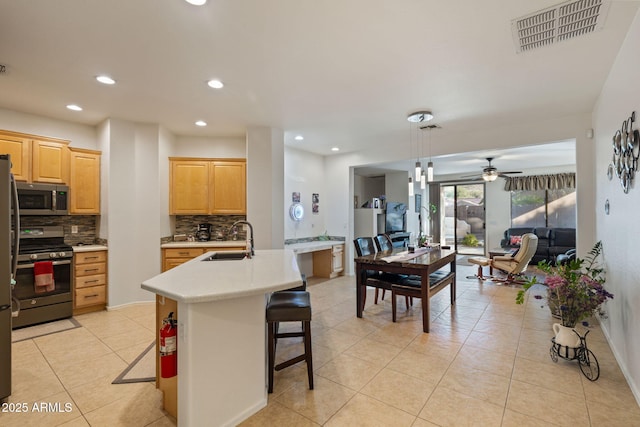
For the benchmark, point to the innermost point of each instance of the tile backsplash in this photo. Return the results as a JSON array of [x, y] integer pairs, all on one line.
[[188, 224], [87, 226]]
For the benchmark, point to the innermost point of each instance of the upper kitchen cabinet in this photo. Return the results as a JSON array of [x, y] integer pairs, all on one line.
[[36, 158], [50, 161], [84, 181], [228, 187], [207, 186], [19, 147]]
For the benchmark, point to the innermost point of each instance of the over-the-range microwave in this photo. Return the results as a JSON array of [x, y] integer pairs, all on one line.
[[42, 199]]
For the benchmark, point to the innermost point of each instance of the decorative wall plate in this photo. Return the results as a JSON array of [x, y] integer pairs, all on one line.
[[626, 151]]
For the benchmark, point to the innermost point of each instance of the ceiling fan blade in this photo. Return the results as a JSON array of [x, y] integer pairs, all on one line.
[[475, 175], [509, 172]]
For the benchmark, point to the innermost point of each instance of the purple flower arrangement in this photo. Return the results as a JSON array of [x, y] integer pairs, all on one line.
[[575, 289]]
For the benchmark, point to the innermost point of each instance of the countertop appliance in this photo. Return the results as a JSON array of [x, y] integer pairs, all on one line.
[[43, 199], [39, 244], [8, 263], [203, 233]]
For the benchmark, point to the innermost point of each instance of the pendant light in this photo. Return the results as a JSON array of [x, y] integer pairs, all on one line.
[[410, 187], [423, 181]]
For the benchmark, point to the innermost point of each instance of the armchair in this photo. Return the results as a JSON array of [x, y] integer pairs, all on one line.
[[517, 263]]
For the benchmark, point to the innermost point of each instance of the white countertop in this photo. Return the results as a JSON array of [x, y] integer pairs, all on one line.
[[89, 248], [203, 281], [208, 244], [316, 245]]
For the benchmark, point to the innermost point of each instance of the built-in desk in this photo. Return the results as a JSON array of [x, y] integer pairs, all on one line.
[[328, 256]]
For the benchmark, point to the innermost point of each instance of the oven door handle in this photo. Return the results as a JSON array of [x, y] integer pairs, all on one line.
[[65, 262]]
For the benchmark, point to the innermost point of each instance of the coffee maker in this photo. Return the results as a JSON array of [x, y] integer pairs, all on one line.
[[203, 233]]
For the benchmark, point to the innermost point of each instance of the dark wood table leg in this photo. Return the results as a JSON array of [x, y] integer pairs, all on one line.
[[359, 282], [426, 303]]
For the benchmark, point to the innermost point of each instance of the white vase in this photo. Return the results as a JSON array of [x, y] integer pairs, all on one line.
[[566, 336]]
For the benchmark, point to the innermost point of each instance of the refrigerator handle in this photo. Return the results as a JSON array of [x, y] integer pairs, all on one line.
[[16, 227]]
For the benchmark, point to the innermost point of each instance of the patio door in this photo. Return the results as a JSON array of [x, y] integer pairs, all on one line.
[[462, 217]]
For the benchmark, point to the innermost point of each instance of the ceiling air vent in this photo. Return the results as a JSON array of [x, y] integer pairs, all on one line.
[[557, 23]]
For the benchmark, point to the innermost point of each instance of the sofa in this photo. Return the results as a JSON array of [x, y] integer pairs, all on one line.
[[551, 241]]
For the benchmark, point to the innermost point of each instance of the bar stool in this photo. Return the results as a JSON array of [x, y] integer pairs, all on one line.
[[289, 306]]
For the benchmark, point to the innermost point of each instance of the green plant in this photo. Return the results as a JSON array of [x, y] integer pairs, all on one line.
[[470, 240], [575, 288]]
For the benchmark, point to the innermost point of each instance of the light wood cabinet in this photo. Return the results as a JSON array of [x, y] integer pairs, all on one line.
[[84, 181], [50, 161], [173, 257], [228, 187], [19, 147], [207, 186], [90, 281], [329, 262], [36, 158]]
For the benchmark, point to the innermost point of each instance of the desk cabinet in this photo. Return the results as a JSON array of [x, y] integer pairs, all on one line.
[[329, 262], [90, 281]]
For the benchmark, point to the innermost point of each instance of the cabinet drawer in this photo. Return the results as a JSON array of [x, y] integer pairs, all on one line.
[[95, 280], [338, 248], [91, 269], [85, 257], [183, 252], [90, 296]]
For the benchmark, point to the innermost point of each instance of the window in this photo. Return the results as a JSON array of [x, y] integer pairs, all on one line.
[[544, 208]]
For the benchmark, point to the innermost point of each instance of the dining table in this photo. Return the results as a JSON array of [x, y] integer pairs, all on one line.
[[422, 262]]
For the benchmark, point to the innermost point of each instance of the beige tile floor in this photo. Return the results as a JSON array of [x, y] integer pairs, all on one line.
[[484, 363]]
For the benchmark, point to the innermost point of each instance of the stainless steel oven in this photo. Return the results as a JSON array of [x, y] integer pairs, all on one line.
[[43, 244], [42, 199]]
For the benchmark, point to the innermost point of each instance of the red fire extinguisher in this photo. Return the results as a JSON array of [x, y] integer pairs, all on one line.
[[168, 348]]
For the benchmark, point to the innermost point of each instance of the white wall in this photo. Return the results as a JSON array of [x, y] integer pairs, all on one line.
[[81, 136], [265, 186], [304, 173], [229, 147], [619, 230], [366, 188], [133, 209]]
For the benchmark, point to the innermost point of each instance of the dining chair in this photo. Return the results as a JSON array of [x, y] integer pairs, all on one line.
[[365, 246], [384, 244]]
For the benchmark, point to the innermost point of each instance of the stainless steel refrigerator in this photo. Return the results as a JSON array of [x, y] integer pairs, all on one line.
[[8, 259]]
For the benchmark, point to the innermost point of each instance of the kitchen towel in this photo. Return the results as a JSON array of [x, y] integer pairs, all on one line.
[[43, 277]]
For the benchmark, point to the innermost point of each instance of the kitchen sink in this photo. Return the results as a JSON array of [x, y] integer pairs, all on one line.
[[226, 256]]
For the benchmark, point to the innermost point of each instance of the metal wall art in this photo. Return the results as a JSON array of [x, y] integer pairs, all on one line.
[[626, 151]]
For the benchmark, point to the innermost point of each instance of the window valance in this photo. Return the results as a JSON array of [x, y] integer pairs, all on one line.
[[540, 182]]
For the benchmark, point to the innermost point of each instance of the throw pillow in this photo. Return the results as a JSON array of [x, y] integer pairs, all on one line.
[[515, 240]]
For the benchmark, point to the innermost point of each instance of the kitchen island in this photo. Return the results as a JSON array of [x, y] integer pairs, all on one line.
[[221, 332]]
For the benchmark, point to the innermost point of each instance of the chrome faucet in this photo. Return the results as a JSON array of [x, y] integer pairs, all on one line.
[[242, 221]]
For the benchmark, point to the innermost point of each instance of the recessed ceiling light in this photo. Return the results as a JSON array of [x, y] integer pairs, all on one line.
[[216, 84], [196, 2], [335, 149], [299, 138], [105, 80], [74, 107], [201, 123]]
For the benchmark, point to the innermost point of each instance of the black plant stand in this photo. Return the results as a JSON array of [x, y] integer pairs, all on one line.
[[586, 359]]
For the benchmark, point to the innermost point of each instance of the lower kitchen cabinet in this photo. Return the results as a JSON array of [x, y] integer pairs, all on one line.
[[173, 257], [89, 281]]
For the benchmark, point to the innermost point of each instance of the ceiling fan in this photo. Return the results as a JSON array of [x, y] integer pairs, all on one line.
[[491, 173]]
